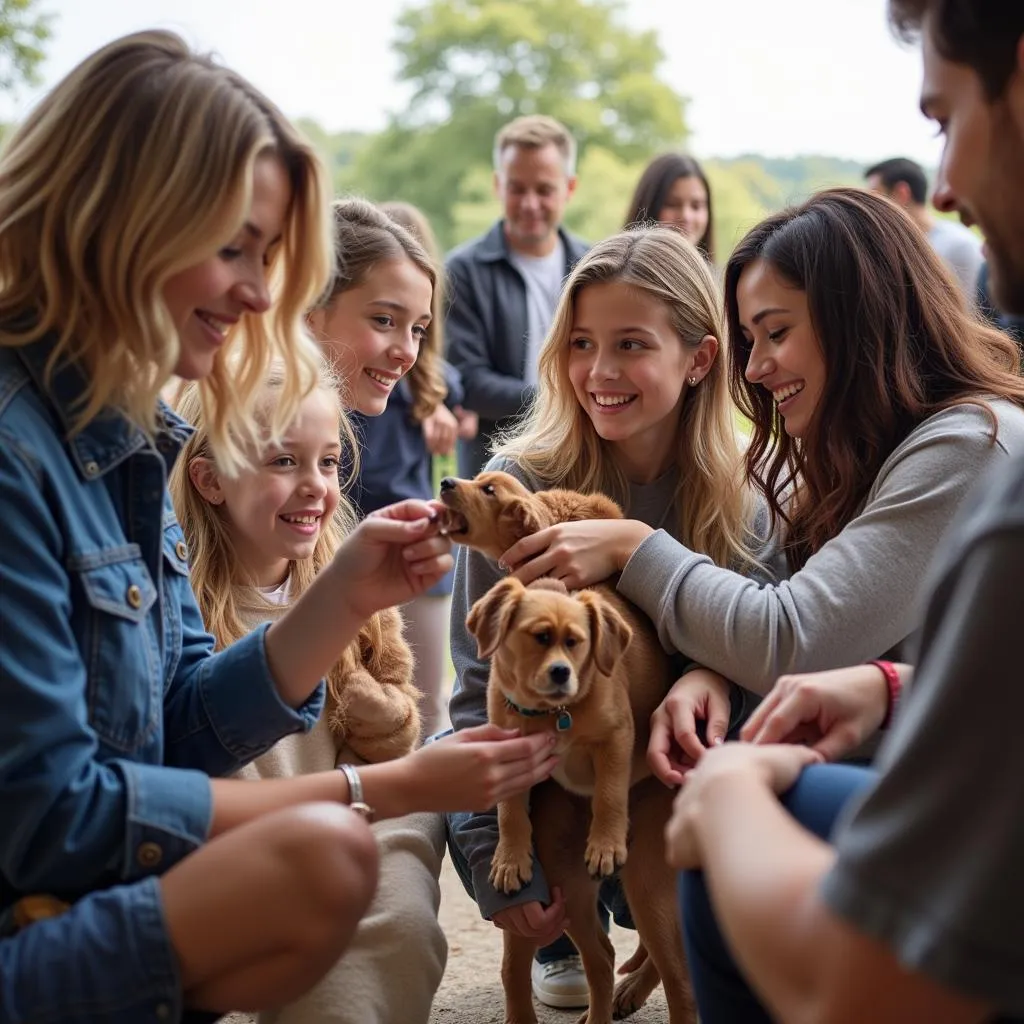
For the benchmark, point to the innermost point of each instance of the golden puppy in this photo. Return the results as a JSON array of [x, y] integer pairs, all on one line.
[[554, 668], [592, 663]]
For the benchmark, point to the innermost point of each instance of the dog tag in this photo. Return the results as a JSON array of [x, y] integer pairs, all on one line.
[[564, 721]]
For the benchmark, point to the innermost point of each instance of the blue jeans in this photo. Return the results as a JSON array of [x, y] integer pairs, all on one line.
[[611, 903], [106, 960], [722, 993]]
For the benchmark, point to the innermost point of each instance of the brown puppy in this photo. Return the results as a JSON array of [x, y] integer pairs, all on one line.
[[490, 513], [554, 668]]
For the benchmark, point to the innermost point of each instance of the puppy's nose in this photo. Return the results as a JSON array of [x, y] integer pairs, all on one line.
[[559, 673], [448, 483]]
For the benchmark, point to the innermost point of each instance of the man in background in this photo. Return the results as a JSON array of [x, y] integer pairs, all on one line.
[[906, 184], [504, 286]]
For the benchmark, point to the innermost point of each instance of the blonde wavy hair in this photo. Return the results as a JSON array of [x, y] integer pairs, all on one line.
[[426, 379], [557, 443], [136, 166], [214, 563]]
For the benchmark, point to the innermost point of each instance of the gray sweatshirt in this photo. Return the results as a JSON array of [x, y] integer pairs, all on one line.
[[855, 599]]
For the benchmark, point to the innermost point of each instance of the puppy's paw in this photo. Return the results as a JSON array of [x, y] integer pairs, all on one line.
[[511, 869], [604, 856]]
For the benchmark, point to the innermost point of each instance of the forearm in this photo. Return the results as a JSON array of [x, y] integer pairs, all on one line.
[[763, 871], [304, 643], [238, 801]]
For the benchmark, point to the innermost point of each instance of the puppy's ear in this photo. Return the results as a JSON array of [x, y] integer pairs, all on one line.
[[610, 634], [490, 618], [521, 518]]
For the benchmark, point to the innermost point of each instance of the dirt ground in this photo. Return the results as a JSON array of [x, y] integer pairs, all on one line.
[[470, 992]]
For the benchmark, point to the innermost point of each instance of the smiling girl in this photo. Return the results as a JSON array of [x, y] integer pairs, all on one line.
[[633, 402], [876, 401], [673, 190], [159, 216], [258, 539]]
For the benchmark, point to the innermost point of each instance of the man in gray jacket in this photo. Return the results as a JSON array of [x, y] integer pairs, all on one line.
[[504, 286]]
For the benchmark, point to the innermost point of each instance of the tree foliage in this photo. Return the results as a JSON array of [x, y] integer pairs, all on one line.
[[23, 31], [472, 65]]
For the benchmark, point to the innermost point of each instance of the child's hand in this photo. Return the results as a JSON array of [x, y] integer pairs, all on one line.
[[469, 423], [392, 556], [440, 429], [475, 769]]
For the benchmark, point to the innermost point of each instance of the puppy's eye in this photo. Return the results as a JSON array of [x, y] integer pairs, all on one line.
[[487, 488], [543, 638], [571, 641]]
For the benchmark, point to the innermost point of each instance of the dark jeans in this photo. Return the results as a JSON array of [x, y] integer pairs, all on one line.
[[722, 993], [611, 902]]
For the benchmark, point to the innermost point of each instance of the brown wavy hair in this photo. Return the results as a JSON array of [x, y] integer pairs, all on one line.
[[654, 186], [899, 342], [364, 235], [426, 379]]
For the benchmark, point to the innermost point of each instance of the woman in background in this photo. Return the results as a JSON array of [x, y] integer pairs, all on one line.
[[674, 190]]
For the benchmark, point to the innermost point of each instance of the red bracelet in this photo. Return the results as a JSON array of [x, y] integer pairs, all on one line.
[[892, 681]]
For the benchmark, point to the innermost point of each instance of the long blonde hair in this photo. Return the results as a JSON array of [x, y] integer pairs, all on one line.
[[557, 442], [426, 380], [136, 166], [212, 555]]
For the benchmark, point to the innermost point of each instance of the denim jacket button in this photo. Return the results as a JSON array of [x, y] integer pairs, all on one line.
[[134, 596], [150, 855], [181, 551], [91, 468]]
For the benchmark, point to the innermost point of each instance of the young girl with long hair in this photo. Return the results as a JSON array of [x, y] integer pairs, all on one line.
[[633, 402], [159, 216], [674, 190], [876, 401], [257, 540]]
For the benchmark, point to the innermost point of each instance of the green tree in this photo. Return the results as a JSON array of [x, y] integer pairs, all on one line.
[[23, 31], [472, 65]]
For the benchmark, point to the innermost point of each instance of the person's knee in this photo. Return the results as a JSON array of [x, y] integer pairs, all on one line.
[[331, 856]]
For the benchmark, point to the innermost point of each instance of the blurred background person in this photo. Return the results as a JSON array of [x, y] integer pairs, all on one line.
[[906, 184], [674, 190]]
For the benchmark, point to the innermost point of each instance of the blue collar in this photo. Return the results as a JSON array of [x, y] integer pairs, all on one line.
[[562, 723], [111, 437]]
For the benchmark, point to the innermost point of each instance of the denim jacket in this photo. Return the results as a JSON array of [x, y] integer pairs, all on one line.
[[115, 710]]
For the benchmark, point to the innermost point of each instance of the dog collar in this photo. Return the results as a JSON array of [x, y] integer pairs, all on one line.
[[562, 723]]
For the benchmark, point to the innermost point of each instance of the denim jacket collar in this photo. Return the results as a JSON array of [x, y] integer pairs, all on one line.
[[111, 437]]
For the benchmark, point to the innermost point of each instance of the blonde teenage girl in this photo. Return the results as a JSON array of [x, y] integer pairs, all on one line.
[[633, 401]]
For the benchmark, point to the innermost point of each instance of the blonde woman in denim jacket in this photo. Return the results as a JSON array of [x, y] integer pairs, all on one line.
[[157, 216]]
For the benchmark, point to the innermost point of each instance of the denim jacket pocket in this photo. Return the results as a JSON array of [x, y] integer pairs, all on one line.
[[120, 649]]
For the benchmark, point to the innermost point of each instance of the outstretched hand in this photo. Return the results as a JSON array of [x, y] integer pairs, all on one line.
[[392, 556], [475, 769]]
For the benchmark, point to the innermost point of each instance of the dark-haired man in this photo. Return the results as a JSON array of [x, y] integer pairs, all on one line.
[[906, 184], [915, 912]]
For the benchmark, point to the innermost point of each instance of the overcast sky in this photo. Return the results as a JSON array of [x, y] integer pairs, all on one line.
[[783, 78]]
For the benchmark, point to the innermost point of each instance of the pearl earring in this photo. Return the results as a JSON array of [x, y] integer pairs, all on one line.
[[692, 381]]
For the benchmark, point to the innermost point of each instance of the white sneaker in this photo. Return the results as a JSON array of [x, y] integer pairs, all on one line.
[[561, 983]]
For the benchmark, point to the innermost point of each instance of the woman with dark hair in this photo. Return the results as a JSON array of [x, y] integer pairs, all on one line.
[[674, 190], [876, 401]]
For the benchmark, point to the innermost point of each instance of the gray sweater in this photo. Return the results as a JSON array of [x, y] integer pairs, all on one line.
[[855, 599]]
